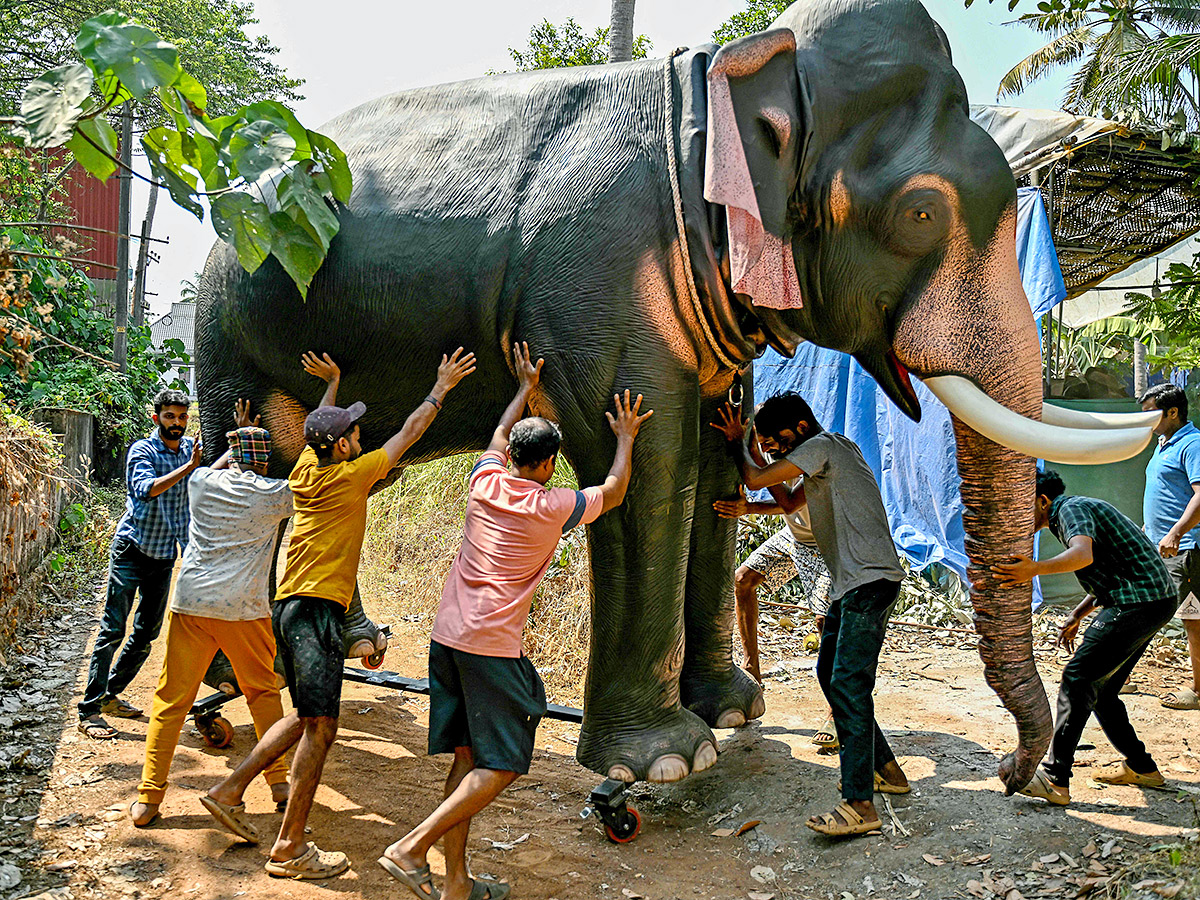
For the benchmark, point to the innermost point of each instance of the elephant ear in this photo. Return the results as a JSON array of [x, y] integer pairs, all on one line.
[[759, 123]]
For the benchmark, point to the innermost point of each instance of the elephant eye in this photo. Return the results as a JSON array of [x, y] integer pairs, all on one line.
[[921, 222]]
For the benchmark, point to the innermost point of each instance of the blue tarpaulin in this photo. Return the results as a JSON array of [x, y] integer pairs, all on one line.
[[913, 462]]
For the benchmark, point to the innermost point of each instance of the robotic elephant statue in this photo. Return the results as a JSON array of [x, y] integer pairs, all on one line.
[[656, 225]]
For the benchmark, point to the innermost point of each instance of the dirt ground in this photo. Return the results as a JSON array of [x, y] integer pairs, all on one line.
[[65, 833]]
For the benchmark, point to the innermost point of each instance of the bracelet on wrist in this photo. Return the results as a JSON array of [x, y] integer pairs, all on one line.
[[437, 404]]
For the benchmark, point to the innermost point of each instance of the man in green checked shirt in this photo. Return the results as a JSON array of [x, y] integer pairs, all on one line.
[[1125, 578]]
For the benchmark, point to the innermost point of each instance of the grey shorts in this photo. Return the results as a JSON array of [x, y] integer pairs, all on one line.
[[1184, 569], [779, 559]]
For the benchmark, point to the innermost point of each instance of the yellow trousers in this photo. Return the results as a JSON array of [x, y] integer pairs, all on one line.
[[192, 641]]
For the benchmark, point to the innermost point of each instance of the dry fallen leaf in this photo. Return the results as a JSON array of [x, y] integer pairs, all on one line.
[[975, 889], [762, 874], [1170, 890], [761, 895], [747, 825], [933, 860], [632, 895], [1050, 858], [723, 833], [1090, 849]]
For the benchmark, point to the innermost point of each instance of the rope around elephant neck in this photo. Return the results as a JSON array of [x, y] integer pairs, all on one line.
[[677, 200]]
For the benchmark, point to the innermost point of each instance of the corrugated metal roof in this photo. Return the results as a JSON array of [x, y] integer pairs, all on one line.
[[179, 323], [97, 205]]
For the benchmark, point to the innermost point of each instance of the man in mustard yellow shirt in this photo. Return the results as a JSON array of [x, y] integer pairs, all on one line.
[[330, 483]]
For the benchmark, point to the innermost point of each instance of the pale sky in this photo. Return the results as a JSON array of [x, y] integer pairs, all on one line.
[[361, 49]]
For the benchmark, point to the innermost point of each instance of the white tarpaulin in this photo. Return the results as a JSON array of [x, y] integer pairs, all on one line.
[[1032, 138], [1109, 298]]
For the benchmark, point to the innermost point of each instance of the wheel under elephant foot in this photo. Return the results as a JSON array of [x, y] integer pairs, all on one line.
[[675, 746], [726, 702]]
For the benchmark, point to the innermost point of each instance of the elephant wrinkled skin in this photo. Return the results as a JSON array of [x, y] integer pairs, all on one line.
[[656, 225]]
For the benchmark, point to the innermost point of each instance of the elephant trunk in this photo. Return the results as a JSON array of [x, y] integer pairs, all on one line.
[[974, 321]]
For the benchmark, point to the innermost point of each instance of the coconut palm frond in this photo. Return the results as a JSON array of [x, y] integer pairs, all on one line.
[[1178, 51], [1076, 97], [1066, 48], [1174, 16]]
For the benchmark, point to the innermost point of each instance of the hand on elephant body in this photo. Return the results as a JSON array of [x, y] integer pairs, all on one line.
[[322, 366], [241, 415], [528, 372], [735, 508], [1018, 570], [627, 422], [453, 369], [730, 424]]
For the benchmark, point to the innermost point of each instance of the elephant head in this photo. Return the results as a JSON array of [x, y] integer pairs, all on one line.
[[866, 212]]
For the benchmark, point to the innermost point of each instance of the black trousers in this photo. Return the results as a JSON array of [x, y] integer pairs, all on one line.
[[846, 663], [1092, 680]]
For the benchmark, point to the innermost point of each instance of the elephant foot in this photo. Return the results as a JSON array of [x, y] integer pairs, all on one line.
[[724, 703], [669, 750], [360, 636], [220, 675]]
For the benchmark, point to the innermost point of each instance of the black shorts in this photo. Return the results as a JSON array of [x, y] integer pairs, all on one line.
[[492, 704], [308, 633]]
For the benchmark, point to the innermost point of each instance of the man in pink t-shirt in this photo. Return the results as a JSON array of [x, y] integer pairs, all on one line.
[[486, 698]]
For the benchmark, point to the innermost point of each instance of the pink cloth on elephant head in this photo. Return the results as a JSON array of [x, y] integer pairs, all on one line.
[[760, 264]]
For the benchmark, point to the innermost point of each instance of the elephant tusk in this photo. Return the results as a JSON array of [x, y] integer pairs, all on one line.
[[1053, 443], [1078, 418]]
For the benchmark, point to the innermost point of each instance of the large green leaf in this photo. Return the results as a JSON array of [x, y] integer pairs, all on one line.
[[246, 223], [297, 251], [95, 146], [165, 155], [53, 103], [299, 198], [258, 147], [136, 55], [332, 160], [284, 119]]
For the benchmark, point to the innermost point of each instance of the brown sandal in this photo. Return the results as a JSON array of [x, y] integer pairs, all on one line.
[[851, 824]]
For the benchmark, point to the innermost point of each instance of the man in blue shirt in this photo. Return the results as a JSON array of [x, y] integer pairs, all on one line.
[[1171, 513], [148, 536]]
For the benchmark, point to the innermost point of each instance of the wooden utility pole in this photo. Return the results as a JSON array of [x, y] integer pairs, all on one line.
[[121, 318], [139, 272], [620, 31]]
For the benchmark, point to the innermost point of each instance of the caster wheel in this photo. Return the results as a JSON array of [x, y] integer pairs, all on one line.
[[375, 660], [627, 827], [216, 732]]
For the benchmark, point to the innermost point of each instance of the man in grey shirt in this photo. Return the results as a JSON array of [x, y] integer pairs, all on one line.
[[852, 533]]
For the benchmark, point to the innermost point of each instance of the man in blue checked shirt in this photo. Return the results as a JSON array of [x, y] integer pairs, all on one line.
[[153, 529]]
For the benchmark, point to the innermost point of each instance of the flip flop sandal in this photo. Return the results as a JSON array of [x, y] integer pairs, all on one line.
[[826, 737], [151, 821], [121, 709], [1182, 699], [852, 824], [416, 880], [486, 889], [1126, 775], [1047, 790], [97, 729], [233, 818], [886, 787], [312, 865]]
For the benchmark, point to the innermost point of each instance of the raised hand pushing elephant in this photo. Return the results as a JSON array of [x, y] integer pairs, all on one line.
[[656, 225]]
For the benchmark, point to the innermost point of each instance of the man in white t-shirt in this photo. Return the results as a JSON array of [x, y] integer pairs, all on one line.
[[221, 602]]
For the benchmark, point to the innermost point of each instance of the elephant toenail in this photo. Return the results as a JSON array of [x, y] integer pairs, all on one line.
[[758, 707], [731, 718], [671, 767], [622, 773], [706, 756]]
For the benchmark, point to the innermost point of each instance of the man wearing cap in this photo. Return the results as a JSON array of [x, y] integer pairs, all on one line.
[[330, 485], [221, 601]]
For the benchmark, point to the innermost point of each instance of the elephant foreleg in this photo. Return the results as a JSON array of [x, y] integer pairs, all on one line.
[[634, 727], [711, 685]]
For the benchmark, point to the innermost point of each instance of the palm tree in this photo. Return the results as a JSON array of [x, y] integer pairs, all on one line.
[[1104, 39], [620, 31]]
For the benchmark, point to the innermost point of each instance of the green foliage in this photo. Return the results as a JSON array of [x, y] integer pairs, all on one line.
[[757, 16], [48, 314], [1119, 50], [196, 155], [212, 38], [1176, 312], [31, 186], [555, 46]]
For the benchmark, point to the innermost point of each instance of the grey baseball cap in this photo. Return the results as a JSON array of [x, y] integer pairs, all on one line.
[[326, 424]]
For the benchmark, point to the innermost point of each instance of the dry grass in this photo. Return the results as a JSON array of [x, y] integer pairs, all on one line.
[[414, 529]]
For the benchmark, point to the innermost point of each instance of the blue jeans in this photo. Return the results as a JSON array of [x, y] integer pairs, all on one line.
[[130, 571], [846, 663]]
